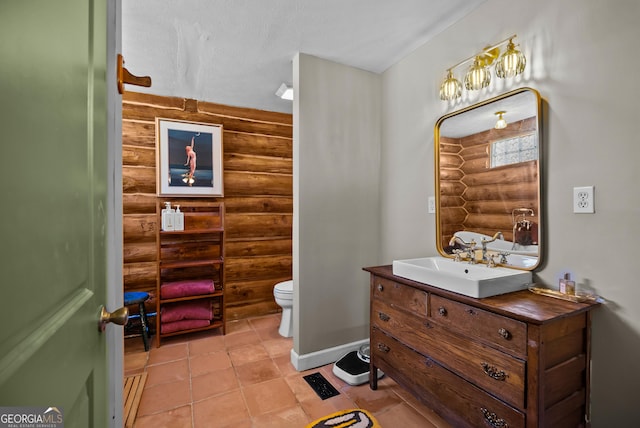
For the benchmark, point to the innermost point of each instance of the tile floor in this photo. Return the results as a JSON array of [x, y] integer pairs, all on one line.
[[245, 380]]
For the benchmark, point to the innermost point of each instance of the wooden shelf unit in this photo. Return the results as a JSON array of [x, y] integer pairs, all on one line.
[[195, 253]]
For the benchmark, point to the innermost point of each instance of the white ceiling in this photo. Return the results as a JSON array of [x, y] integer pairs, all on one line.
[[238, 52]]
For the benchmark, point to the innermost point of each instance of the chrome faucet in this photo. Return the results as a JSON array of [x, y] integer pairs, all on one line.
[[484, 243]]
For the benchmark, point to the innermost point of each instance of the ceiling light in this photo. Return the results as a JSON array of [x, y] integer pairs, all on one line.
[[501, 123], [285, 92], [511, 63]]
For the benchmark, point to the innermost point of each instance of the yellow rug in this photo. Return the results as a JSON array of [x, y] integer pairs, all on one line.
[[356, 418]]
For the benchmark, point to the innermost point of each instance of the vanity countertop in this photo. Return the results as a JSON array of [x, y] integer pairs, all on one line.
[[522, 305]]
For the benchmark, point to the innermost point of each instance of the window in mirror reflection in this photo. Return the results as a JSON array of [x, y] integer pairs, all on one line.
[[514, 150]]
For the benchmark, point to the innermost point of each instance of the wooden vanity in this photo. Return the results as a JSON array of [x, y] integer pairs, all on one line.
[[513, 360]]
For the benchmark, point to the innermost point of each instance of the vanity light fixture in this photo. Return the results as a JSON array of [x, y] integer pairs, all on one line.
[[450, 88], [501, 123], [478, 76], [511, 63], [285, 92]]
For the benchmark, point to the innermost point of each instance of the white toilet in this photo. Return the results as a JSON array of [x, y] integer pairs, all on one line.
[[283, 292]]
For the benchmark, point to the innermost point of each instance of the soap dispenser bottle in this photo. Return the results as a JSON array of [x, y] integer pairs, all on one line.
[[567, 286], [168, 217], [179, 219]]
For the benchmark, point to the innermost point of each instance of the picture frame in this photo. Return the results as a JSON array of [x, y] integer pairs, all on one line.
[[189, 158]]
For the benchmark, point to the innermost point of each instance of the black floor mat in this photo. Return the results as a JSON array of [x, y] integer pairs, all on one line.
[[321, 386]]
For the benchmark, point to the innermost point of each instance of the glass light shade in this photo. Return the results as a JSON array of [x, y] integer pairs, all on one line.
[[511, 63], [501, 123], [451, 88], [477, 77]]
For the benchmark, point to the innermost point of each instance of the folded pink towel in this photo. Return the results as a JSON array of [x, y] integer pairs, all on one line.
[[171, 290], [196, 310], [170, 327]]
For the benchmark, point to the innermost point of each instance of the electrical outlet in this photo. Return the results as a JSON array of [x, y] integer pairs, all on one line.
[[583, 202], [432, 204]]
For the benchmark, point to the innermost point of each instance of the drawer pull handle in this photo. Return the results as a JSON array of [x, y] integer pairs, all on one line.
[[504, 333], [384, 348], [493, 372], [442, 311], [493, 419], [380, 287], [383, 316], [471, 312]]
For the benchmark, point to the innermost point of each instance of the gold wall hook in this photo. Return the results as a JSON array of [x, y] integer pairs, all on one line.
[[124, 76]]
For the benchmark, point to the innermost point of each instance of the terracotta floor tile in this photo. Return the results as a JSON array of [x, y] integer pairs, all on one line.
[[206, 345], [222, 411], [176, 418], [238, 326], [269, 321], [270, 333], [300, 388], [168, 353], [205, 363], [317, 408], [242, 338], [269, 396], [403, 415], [135, 363], [248, 354], [238, 424], [214, 383], [164, 397], [289, 417], [279, 346], [373, 401], [168, 372], [245, 379], [284, 365], [257, 372]]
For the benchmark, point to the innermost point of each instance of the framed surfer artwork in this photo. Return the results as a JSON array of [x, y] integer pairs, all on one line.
[[189, 158]]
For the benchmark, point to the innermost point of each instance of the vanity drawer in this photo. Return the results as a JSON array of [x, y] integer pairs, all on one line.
[[464, 402], [505, 333], [491, 369], [399, 295]]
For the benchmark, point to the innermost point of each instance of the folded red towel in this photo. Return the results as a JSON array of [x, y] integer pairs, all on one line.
[[170, 327], [196, 310], [171, 290]]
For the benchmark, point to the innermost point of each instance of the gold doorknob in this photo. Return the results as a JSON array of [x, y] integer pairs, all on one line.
[[119, 316]]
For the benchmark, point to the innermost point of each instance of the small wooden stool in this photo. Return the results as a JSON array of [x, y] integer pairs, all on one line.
[[139, 297]]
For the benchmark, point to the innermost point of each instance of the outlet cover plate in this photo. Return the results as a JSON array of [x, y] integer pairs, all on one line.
[[432, 205], [583, 202]]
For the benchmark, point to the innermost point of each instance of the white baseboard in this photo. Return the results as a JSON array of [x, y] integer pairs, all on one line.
[[324, 356]]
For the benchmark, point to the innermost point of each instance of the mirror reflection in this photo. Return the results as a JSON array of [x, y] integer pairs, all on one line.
[[488, 181]]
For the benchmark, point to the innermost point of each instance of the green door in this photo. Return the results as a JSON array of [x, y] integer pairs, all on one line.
[[54, 204]]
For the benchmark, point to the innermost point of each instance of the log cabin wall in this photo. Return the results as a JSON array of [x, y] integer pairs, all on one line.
[[474, 196], [258, 196]]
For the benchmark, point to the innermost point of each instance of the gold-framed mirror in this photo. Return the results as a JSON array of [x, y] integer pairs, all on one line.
[[487, 175]]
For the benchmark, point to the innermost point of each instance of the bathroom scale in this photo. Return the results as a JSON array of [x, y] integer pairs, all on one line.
[[353, 367]]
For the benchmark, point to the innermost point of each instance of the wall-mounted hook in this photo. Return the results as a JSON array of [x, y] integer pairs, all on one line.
[[124, 76]]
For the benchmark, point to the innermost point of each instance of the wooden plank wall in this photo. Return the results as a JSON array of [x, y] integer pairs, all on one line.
[[476, 197], [258, 196]]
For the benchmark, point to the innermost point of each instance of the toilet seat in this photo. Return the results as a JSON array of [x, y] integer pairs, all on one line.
[[284, 288]]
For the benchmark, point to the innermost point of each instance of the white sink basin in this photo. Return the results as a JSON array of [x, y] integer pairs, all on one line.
[[461, 277]]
